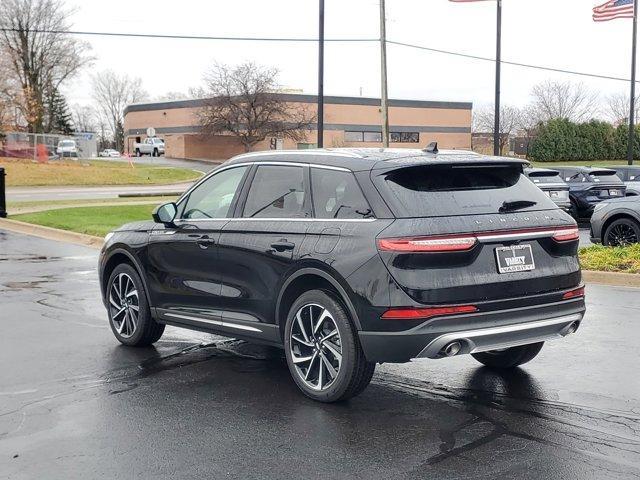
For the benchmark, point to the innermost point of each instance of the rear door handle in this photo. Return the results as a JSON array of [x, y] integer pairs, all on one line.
[[282, 245]]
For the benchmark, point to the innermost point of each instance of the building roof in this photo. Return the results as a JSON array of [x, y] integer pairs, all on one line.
[[358, 159], [294, 97]]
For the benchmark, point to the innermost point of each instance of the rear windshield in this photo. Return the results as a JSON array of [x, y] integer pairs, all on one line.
[[545, 177], [445, 190], [604, 176]]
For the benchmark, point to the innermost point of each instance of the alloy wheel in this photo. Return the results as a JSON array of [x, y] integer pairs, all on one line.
[[622, 234], [124, 305], [315, 346]]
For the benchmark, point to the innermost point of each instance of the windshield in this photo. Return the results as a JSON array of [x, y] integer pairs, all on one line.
[[446, 190], [67, 143]]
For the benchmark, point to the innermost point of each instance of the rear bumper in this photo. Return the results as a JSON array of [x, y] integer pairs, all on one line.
[[477, 332]]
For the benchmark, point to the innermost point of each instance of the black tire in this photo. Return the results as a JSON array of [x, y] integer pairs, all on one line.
[[354, 371], [621, 232], [146, 330], [510, 357], [573, 211]]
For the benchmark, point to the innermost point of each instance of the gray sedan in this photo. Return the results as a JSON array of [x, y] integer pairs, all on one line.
[[616, 222]]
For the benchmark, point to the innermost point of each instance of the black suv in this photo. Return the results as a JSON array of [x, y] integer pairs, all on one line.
[[348, 258], [589, 186]]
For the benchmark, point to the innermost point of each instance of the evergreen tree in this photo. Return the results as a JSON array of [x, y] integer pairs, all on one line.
[[59, 119]]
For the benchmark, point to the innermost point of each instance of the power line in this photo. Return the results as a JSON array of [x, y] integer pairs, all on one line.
[[517, 64], [337, 40], [196, 37]]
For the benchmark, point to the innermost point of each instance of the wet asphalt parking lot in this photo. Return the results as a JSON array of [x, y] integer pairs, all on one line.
[[76, 404]]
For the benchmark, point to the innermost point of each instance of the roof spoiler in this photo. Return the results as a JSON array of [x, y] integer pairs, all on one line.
[[431, 148]]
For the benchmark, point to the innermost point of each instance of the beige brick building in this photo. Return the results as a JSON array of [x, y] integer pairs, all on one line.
[[349, 122]]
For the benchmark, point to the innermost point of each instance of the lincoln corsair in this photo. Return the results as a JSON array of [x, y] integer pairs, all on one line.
[[351, 257]]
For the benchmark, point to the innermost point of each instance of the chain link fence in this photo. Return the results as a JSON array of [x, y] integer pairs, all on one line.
[[44, 147]]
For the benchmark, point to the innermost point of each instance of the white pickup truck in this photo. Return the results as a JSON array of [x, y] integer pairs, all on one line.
[[151, 146]]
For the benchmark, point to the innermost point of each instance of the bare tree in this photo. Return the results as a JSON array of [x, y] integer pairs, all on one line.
[[112, 93], [85, 118], [554, 99], [616, 108], [41, 55], [242, 101], [483, 121]]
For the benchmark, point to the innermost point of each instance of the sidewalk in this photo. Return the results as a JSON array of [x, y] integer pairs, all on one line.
[[24, 194]]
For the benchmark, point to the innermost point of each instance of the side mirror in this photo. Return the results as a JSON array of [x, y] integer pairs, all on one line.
[[165, 213]]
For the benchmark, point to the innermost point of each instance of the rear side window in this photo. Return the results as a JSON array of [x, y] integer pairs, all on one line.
[[276, 192], [336, 194], [445, 190]]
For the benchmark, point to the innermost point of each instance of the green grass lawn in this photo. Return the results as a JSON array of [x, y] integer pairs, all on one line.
[[611, 259], [90, 220], [22, 173]]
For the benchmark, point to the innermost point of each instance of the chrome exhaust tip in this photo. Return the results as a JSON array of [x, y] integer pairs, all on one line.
[[573, 328], [452, 349]]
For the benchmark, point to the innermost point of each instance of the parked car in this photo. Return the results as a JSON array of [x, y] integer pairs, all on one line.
[[630, 175], [67, 148], [589, 186], [550, 182], [616, 222], [109, 152], [151, 146], [348, 258]]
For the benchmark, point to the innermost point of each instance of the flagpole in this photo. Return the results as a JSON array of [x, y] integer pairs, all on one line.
[[496, 115], [632, 101]]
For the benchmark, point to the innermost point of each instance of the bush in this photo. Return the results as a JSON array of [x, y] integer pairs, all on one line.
[[561, 139]]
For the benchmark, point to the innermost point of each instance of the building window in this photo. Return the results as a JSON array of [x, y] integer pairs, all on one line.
[[404, 137], [372, 137], [353, 136]]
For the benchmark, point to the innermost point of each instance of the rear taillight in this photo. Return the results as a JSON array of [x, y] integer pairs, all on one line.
[[427, 244], [575, 293], [566, 234], [423, 313], [460, 243]]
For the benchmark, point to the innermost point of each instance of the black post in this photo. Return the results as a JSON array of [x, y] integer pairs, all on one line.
[[496, 116], [3, 200], [632, 109], [320, 141]]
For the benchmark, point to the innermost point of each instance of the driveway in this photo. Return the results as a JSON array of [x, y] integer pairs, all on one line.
[[76, 404]]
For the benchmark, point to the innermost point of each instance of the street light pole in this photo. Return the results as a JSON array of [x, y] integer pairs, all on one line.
[[383, 83], [320, 141], [496, 115]]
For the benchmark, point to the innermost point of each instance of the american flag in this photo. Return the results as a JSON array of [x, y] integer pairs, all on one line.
[[613, 9]]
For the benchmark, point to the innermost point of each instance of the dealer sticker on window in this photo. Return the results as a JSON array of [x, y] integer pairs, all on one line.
[[515, 258]]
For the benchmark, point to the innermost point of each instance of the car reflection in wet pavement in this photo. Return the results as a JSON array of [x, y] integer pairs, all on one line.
[[76, 404]]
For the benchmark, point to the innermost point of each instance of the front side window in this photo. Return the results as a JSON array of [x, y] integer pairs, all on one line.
[[336, 194], [213, 197], [276, 192]]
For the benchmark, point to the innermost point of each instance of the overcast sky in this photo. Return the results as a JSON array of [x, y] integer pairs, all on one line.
[[545, 32]]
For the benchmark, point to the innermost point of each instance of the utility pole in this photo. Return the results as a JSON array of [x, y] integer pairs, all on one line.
[[320, 141], [632, 109], [496, 115], [383, 84]]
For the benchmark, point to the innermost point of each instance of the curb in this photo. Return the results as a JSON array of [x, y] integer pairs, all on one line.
[[51, 233], [589, 276], [611, 278]]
